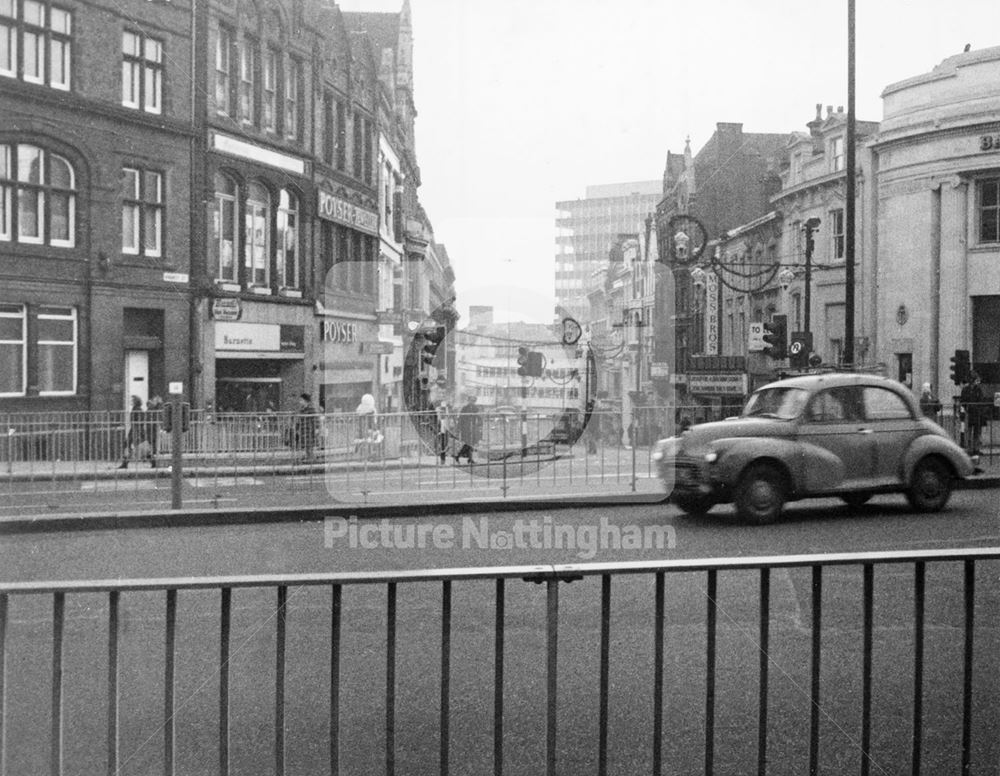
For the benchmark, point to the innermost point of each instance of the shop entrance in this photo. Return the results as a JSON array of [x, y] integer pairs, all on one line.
[[247, 394]]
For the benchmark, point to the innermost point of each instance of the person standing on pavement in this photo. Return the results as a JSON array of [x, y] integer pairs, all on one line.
[[137, 440], [470, 428], [975, 414], [443, 430], [929, 403], [305, 427], [369, 437]]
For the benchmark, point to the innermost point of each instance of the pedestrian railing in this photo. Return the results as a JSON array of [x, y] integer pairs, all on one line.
[[855, 720]]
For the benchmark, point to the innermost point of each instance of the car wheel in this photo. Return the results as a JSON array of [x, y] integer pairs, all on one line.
[[930, 486], [760, 495], [693, 505], [855, 500]]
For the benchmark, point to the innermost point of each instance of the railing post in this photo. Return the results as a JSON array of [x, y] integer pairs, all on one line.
[[498, 670], [113, 758], [552, 683], [56, 739]]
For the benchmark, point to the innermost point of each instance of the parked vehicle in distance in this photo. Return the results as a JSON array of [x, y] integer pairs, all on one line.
[[836, 434]]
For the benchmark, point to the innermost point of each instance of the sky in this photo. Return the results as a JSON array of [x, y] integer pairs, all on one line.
[[523, 103]]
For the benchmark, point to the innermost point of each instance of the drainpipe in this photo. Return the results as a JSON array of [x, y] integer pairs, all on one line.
[[935, 301]]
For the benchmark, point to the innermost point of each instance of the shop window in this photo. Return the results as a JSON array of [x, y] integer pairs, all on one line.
[[13, 353], [837, 234], [257, 236], [224, 233], [36, 43], [288, 240], [142, 72], [57, 351], [142, 212], [988, 200], [37, 196], [223, 68]]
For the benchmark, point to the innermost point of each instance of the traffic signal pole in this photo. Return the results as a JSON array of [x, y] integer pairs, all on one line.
[[176, 452]]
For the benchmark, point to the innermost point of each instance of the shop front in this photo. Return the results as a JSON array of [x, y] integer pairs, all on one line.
[[347, 364], [259, 367]]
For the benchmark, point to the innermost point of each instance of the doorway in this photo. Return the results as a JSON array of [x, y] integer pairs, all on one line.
[[136, 376]]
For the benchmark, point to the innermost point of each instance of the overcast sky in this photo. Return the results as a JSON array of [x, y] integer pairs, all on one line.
[[523, 103]]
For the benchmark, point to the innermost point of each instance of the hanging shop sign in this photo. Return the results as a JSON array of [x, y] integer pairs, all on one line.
[[226, 309], [333, 208]]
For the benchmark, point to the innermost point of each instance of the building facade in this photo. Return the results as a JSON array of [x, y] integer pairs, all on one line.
[[937, 237]]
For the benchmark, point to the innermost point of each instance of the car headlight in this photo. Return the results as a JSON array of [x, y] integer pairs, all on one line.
[[711, 456], [666, 448]]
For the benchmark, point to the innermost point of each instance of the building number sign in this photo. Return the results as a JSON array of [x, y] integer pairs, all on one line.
[[989, 143]]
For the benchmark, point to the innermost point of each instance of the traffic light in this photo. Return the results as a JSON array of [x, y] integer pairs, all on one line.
[[799, 348], [960, 367], [775, 337], [530, 363], [432, 339], [522, 361]]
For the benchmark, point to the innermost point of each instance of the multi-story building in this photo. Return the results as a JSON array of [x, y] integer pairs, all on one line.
[[587, 228], [95, 170], [263, 181]]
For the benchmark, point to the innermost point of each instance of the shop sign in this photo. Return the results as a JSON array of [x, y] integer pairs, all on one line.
[[293, 338], [338, 332], [389, 317], [247, 336], [340, 210], [226, 309], [721, 384], [377, 348]]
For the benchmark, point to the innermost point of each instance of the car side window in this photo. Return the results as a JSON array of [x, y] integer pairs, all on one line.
[[834, 405], [883, 404]]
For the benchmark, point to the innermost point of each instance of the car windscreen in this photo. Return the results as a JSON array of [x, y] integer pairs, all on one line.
[[783, 403]]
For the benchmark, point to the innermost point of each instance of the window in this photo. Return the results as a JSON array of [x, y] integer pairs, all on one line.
[[142, 72], [248, 69], [37, 196], [883, 404], [329, 129], [835, 405], [270, 99], [837, 154], [358, 150], [13, 354], [223, 57], [369, 161], [292, 77], [288, 236], [257, 235], [142, 212], [837, 234], [224, 231], [36, 43], [988, 195], [56, 351], [341, 136]]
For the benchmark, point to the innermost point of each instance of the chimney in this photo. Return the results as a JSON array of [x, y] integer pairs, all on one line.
[[840, 109], [814, 125], [829, 111]]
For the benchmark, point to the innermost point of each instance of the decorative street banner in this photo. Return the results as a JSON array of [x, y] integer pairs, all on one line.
[[711, 314]]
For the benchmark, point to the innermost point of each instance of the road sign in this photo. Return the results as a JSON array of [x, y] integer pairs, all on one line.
[[755, 341]]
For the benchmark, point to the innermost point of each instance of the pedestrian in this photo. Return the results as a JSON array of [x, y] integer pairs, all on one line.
[[154, 412], [137, 444], [305, 426], [369, 437], [470, 429], [975, 414], [929, 403], [444, 428]]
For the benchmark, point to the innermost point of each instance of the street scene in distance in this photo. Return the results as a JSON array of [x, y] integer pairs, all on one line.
[[415, 386]]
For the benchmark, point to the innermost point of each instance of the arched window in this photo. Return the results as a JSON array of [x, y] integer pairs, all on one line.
[[37, 196], [224, 232], [288, 240], [257, 236]]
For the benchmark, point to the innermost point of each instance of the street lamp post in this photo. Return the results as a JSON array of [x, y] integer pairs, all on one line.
[[810, 225]]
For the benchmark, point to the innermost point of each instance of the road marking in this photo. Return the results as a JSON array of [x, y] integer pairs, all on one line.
[[223, 482], [120, 485]]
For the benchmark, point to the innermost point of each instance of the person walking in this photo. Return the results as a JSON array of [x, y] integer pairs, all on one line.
[[975, 412], [368, 435], [929, 403], [444, 424], [305, 427], [470, 429], [137, 443]]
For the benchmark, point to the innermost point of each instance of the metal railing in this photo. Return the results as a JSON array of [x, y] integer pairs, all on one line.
[[51, 739]]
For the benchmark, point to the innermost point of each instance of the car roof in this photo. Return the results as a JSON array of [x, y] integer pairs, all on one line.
[[815, 382]]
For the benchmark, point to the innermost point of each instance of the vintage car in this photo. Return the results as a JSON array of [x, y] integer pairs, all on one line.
[[847, 435]]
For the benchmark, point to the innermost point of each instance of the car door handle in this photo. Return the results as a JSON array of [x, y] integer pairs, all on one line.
[[866, 431]]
